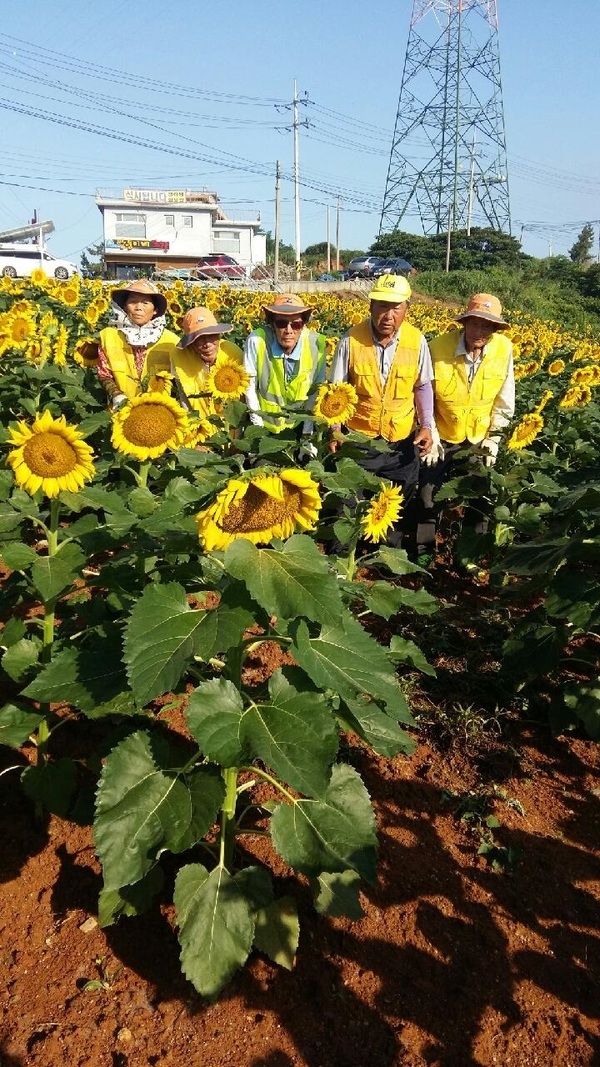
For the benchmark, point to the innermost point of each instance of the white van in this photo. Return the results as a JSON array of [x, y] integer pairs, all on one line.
[[19, 260]]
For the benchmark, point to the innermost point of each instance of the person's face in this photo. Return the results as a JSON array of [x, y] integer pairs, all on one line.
[[477, 332], [287, 330], [207, 347], [140, 309], [386, 317]]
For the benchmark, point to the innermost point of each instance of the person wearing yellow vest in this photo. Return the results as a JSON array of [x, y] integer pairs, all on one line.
[[474, 398], [388, 362], [286, 362], [136, 344], [201, 347]]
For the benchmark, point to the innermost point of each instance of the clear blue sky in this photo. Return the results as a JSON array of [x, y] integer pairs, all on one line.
[[230, 70]]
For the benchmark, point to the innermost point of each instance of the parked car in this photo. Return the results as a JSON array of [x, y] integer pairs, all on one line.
[[363, 266], [394, 265], [20, 260], [181, 274], [218, 266]]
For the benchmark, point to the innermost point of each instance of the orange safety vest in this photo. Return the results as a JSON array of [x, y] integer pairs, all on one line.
[[388, 410], [122, 363], [463, 412], [192, 373]]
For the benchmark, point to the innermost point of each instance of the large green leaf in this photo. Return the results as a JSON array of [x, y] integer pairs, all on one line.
[[143, 807], [402, 650], [380, 730], [346, 659], [294, 734], [18, 659], [278, 931], [583, 698], [17, 556], [573, 595], [17, 722], [397, 561], [51, 785], [213, 716], [536, 558], [334, 833], [51, 575], [295, 581], [347, 477], [9, 518], [131, 899], [84, 677], [337, 894], [216, 926], [384, 599]]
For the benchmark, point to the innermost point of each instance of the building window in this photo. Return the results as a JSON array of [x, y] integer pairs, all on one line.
[[187, 220], [130, 224], [226, 241], [169, 220]]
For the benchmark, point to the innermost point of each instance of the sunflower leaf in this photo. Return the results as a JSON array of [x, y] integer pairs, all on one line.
[[384, 599], [51, 576], [17, 722], [83, 677], [334, 833], [337, 894], [216, 926], [214, 715], [380, 730], [278, 931], [17, 659], [291, 582], [17, 556]]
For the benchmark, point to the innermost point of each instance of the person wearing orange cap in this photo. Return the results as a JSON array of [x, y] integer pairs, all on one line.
[[136, 344], [203, 345], [285, 361], [474, 398]]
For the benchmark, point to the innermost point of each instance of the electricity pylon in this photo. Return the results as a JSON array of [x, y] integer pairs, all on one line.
[[448, 160]]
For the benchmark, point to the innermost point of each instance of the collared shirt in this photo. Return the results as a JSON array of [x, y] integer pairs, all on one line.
[[291, 361], [504, 404]]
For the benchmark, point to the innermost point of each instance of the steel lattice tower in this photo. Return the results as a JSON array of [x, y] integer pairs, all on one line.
[[448, 159]]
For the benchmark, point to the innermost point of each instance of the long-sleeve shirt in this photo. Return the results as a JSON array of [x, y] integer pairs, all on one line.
[[422, 390], [291, 362]]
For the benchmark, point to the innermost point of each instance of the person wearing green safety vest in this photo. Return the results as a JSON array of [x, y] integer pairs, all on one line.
[[286, 362]]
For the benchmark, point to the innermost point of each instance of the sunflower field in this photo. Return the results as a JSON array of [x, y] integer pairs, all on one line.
[[147, 555]]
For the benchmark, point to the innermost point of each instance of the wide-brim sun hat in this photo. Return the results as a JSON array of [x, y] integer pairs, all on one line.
[[392, 288], [140, 288], [484, 306], [288, 304], [198, 322]]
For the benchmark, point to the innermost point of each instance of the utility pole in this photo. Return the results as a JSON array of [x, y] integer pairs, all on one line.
[[448, 237], [296, 183], [277, 220], [337, 236], [328, 244]]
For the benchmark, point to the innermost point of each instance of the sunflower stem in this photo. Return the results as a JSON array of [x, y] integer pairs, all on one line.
[[142, 477], [48, 631], [227, 837], [351, 561]]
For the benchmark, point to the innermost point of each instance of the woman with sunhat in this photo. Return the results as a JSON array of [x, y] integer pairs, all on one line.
[[285, 361], [136, 344], [202, 347]]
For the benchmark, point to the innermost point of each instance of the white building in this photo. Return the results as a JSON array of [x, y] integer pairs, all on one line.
[[147, 229]]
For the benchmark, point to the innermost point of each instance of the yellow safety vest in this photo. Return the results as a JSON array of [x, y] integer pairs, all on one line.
[[192, 374], [388, 410], [122, 363], [273, 390], [463, 412]]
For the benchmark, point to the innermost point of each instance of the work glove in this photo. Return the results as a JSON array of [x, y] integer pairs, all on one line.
[[436, 452], [490, 446], [118, 400], [307, 451]]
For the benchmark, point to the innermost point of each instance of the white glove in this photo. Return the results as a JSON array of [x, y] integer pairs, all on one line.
[[436, 452], [307, 451], [490, 445], [118, 400]]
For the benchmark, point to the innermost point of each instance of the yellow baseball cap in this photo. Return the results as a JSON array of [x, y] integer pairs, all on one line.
[[391, 287]]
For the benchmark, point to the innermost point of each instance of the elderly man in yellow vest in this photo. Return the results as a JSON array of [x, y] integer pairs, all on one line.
[[474, 392], [285, 361], [136, 344], [200, 349], [388, 362]]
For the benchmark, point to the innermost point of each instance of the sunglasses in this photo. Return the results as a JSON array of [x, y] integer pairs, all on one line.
[[281, 324]]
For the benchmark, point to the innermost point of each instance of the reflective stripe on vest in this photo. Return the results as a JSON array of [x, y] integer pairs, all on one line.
[[191, 373], [122, 363], [463, 412], [384, 411], [274, 392]]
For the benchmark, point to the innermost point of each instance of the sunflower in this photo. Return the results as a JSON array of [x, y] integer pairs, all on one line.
[[20, 328], [38, 276], [86, 352], [589, 375], [262, 507], [576, 397], [50, 456], [335, 403], [539, 407], [556, 367], [383, 511], [199, 431], [60, 346], [161, 382], [527, 430], [70, 295], [148, 425], [227, 380]]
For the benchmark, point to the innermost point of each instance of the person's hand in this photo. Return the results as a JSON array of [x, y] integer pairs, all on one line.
[[423, 441], [436, 451], [118, 400], [336, 440], [307, 451], [490, 446]]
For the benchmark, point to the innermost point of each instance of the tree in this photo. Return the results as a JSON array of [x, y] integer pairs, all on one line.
[[580, 253], [286, 252], [90, 269]]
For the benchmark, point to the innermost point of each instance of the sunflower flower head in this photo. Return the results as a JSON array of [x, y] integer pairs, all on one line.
[[556, 367], [50, 455], [260, 508], [382, 512], [227, 380], [335, 403], [526, 431], [577, 396], [148, 425]]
